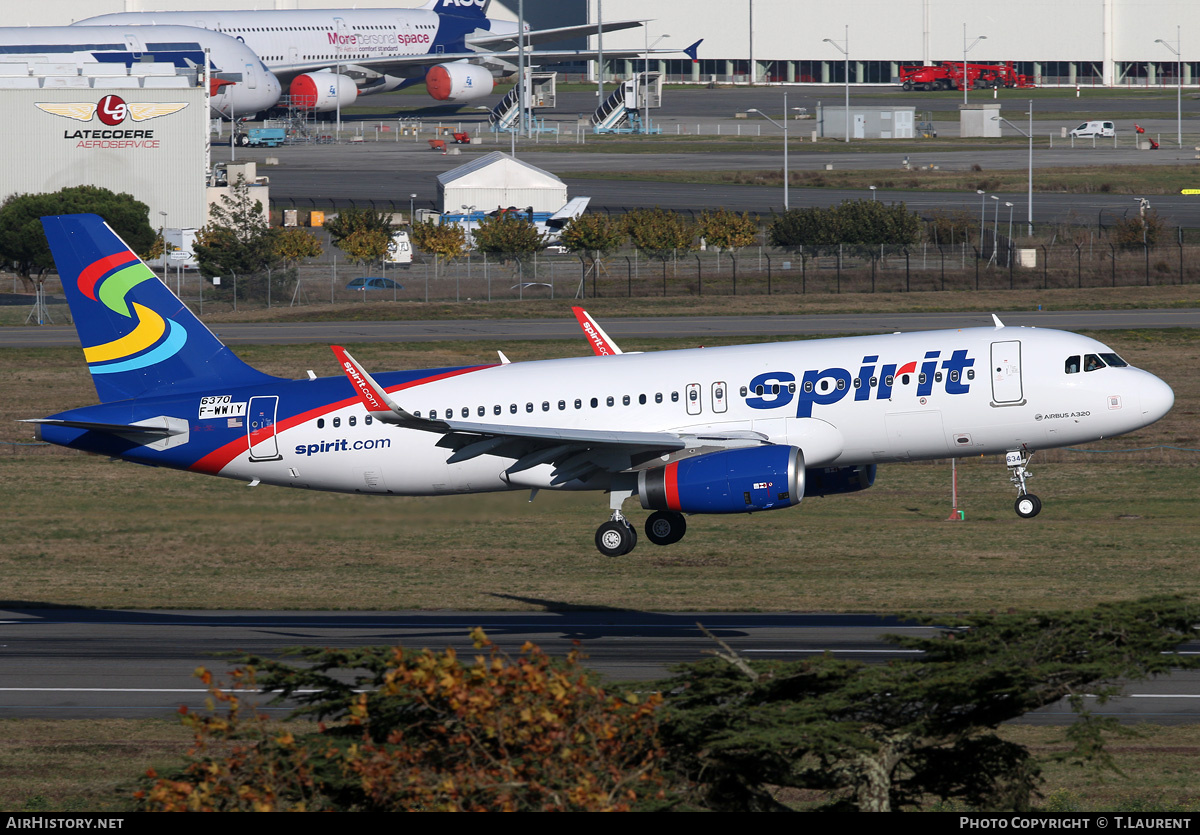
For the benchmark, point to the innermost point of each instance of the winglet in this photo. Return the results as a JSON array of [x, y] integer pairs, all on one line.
[[597, 338], [372, 395], [693, 50], [996, 319]]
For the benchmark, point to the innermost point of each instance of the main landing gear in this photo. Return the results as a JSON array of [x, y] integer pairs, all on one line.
[[617, 537], [1027, 504]]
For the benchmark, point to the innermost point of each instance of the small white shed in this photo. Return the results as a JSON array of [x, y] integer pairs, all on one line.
[[496, 180]]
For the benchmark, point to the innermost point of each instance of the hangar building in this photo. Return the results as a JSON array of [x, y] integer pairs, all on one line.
[[1091, 42]]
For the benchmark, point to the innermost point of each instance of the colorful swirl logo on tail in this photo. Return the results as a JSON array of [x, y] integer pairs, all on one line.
[[154, 339]]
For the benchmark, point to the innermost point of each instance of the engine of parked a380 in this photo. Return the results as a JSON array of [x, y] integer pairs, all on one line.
[[829, 481], [733, 481], [322, 91], [458, 82]]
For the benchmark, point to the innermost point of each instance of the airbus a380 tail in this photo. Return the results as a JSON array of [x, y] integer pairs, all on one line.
[[715, 430]]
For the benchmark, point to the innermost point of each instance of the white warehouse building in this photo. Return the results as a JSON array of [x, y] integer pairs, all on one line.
[[1091, 42]]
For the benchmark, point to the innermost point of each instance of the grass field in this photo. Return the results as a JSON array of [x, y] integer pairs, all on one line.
[[1088, 179], [83, 531]]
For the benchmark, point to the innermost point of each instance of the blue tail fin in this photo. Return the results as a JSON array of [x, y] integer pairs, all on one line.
[[459, 8], [138, 338]]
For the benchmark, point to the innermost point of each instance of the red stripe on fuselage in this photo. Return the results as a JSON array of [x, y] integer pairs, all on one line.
[[93, 271], [671, 485], [217, 460]]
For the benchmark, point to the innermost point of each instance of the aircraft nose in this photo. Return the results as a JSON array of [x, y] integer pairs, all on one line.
[[1157, 398]]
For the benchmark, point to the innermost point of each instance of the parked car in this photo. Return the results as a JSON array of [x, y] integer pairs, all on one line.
[[372, 283], [1094, 128]]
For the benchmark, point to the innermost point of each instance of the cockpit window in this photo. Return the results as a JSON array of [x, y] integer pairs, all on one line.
[[1072, 366], [1114, 361], [1091, 362]]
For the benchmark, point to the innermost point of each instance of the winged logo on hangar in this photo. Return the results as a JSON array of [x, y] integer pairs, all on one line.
[[112, 110]]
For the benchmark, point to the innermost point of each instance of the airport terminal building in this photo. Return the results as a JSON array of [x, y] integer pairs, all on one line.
[[1086, 42]]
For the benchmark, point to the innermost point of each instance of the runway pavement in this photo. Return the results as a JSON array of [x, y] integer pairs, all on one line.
[[83, 663]]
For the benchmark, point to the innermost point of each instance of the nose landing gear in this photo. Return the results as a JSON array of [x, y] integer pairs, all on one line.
[[1027, 505]]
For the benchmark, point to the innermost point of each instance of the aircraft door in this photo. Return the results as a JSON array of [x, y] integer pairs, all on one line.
[[692, 394], [1006, 373], [719, 404], [134, 44], [250, 74], [260, 426]]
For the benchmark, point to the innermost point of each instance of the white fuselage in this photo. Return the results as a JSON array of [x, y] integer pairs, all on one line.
[[254, 87], [295, 41], [855, 400]]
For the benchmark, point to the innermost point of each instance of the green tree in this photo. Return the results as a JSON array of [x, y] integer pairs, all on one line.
[[594, 235], [508, 236], [908, 734], [23, 241], [1133, 232], [445, 240], [855, 222], [237, 240], [293, 245], [422, 731], [727, 230], [363, 234], [659, 233]]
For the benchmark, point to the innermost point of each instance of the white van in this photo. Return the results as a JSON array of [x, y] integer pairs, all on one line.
[[1094, 128]]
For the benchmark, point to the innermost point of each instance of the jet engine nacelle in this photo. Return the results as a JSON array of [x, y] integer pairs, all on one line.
[[734, 481], [323, 91], [829, 481], [458, 82]]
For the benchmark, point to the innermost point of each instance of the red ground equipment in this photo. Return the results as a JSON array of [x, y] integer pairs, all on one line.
[[949, 75], [1142, 130]]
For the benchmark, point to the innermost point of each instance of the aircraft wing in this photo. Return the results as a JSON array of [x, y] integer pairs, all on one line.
[[506, 61], [537, 36], [575, 454]]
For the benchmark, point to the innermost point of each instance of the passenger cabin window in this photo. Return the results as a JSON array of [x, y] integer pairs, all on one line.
[[337, 422], [320, 423], [368, 421], [481, 411], [496, 409], [658, 397], [1092, 362], [674, 397], [353, 420]]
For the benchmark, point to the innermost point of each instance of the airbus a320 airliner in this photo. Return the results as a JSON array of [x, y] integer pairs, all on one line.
[[712, 430], [329, 57]]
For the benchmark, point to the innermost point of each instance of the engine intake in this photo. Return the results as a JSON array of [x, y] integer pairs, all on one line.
[[734, 481], [458, 82], [322, 91]]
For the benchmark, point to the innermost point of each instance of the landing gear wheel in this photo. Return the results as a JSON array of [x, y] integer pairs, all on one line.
[[243, 140], [1028, 506], [666, 527], [614, 539]]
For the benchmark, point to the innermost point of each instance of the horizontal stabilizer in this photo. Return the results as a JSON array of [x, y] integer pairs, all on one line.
[[160, 432], [561, 33]]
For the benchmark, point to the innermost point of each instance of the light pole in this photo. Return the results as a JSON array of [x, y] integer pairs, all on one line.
[[1010, 207], [521, 64], [1029, 135], [163, 232], [982, 209], [995, 229], [786, 175], [965, 83], [412, 217], [1177, 49], [599, 53], [646, 78], [845, 52]]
